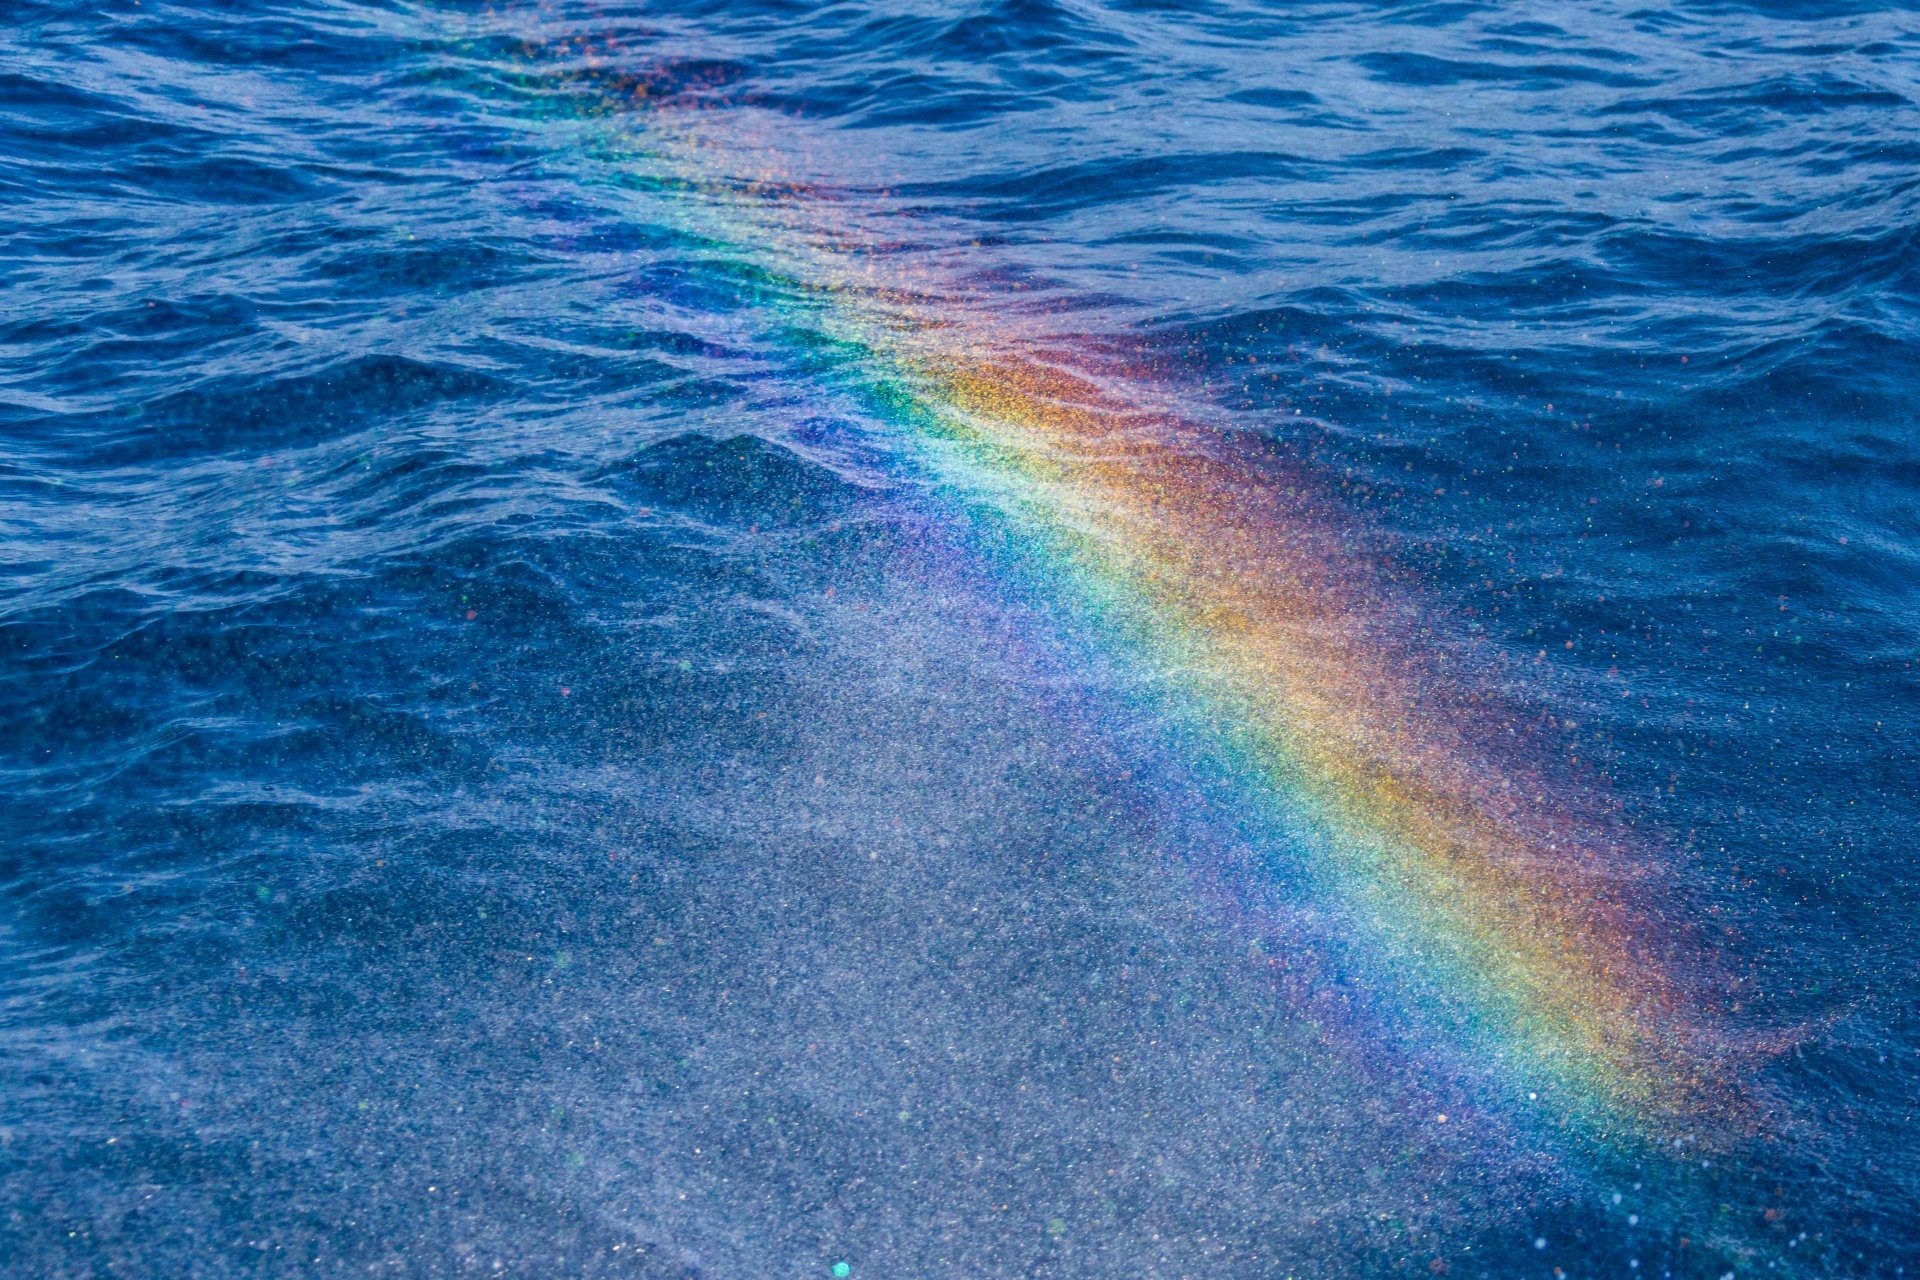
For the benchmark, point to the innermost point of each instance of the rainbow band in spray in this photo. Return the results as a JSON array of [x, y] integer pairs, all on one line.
[[1488, 920], [1476, 912]]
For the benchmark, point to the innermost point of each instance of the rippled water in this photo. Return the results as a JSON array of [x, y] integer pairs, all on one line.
[[508, 772]]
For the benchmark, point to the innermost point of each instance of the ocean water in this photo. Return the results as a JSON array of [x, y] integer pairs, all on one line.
[[1058, 638]]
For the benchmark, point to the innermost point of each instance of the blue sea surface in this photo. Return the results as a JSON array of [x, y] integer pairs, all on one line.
[[484, 797]]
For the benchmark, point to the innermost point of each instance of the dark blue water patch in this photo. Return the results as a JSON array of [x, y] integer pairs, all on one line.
[[1022, 27], [246, 417], [732, 482], [1419, 69], [1033, 195]]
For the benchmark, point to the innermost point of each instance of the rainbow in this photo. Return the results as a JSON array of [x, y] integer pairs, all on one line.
[[1491, 920], [1489, 914]]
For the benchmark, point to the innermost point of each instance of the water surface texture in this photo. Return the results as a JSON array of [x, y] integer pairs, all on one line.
[[885, 642]]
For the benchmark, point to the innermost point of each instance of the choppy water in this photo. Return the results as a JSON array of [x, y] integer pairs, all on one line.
[[497, 781]]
